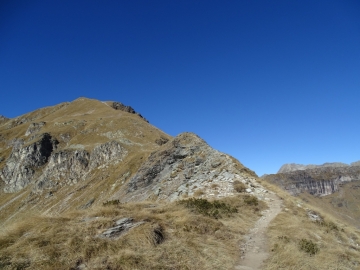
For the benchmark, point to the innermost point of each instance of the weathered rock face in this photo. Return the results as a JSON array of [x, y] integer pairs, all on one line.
[[24, 160], [54, 168], [68, 166], [34, 127], [110, 152], [64, 167], [129, 109], [184, 166], [318, 181]]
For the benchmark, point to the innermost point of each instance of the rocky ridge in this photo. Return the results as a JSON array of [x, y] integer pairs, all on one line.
[[319, 180], [187, 166], [290, 167]]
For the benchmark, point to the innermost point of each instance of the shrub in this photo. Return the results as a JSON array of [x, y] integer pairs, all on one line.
[[308, 246], [239, 186], [113, 202], [330, 226], [211, 209], [251, 200]]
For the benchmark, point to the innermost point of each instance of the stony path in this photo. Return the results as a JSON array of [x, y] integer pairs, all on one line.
[[255, 250]]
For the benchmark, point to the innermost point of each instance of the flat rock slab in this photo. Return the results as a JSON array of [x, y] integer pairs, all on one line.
[[122, 226]]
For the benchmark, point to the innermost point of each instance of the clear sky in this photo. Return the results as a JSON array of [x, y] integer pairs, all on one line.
[[269, 82]]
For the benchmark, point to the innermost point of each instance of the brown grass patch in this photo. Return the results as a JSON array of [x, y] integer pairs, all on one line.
[[173, 236]]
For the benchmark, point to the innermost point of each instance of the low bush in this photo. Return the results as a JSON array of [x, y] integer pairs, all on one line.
[[239, 186], [251, 200], [212, 209], [308, 246], [113, 202]]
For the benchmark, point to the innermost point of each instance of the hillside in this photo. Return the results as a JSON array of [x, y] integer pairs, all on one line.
[[93, 185]]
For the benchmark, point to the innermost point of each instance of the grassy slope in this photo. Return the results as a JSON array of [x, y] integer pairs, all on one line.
[[192, 240], [88, 123], [337, 241], [343, 205]]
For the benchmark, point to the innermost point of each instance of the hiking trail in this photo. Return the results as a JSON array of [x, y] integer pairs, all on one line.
[[255, 249]]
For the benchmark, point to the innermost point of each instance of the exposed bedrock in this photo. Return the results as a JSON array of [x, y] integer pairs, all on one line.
[[182, 166], [318, 181], [55, 168], [25, 160]]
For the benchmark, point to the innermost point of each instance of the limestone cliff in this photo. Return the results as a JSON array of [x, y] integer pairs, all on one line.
[[319, 181]]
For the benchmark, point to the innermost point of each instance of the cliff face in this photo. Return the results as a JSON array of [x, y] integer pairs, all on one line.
[[319, 181], [25, 160]]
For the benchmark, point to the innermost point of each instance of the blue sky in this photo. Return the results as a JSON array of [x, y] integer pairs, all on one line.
[[269, 82]]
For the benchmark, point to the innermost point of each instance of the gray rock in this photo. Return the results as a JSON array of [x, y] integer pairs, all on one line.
[[24, 160], [122, 226], [129, 109], [88, 204], [177, 167], [64, 167], [161, 140], [34, 127], [319, 181], [66, 137], [107, 153], [215, 164]]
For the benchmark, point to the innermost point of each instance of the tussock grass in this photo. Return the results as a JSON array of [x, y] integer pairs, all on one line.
[[239, 186], [174, 236], [296, 242]]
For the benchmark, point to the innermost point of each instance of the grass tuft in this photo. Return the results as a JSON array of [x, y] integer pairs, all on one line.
[[213, 209], [308, 246], [239, 186]]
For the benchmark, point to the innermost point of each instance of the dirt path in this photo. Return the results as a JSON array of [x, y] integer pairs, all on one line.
[[255, 250]]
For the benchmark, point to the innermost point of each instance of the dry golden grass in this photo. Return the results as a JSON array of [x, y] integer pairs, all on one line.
[[239, 186], [89, 123], [190, 240], [337, 242]]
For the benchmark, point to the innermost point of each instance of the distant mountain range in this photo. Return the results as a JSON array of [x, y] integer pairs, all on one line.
[[289, 167]]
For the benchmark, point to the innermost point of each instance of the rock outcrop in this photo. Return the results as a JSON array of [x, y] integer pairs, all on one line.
[[129, 109], [3, 119], [25, 160], [185, 166], [110, 152], [65, 167], [34, 127], [318, 181]]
